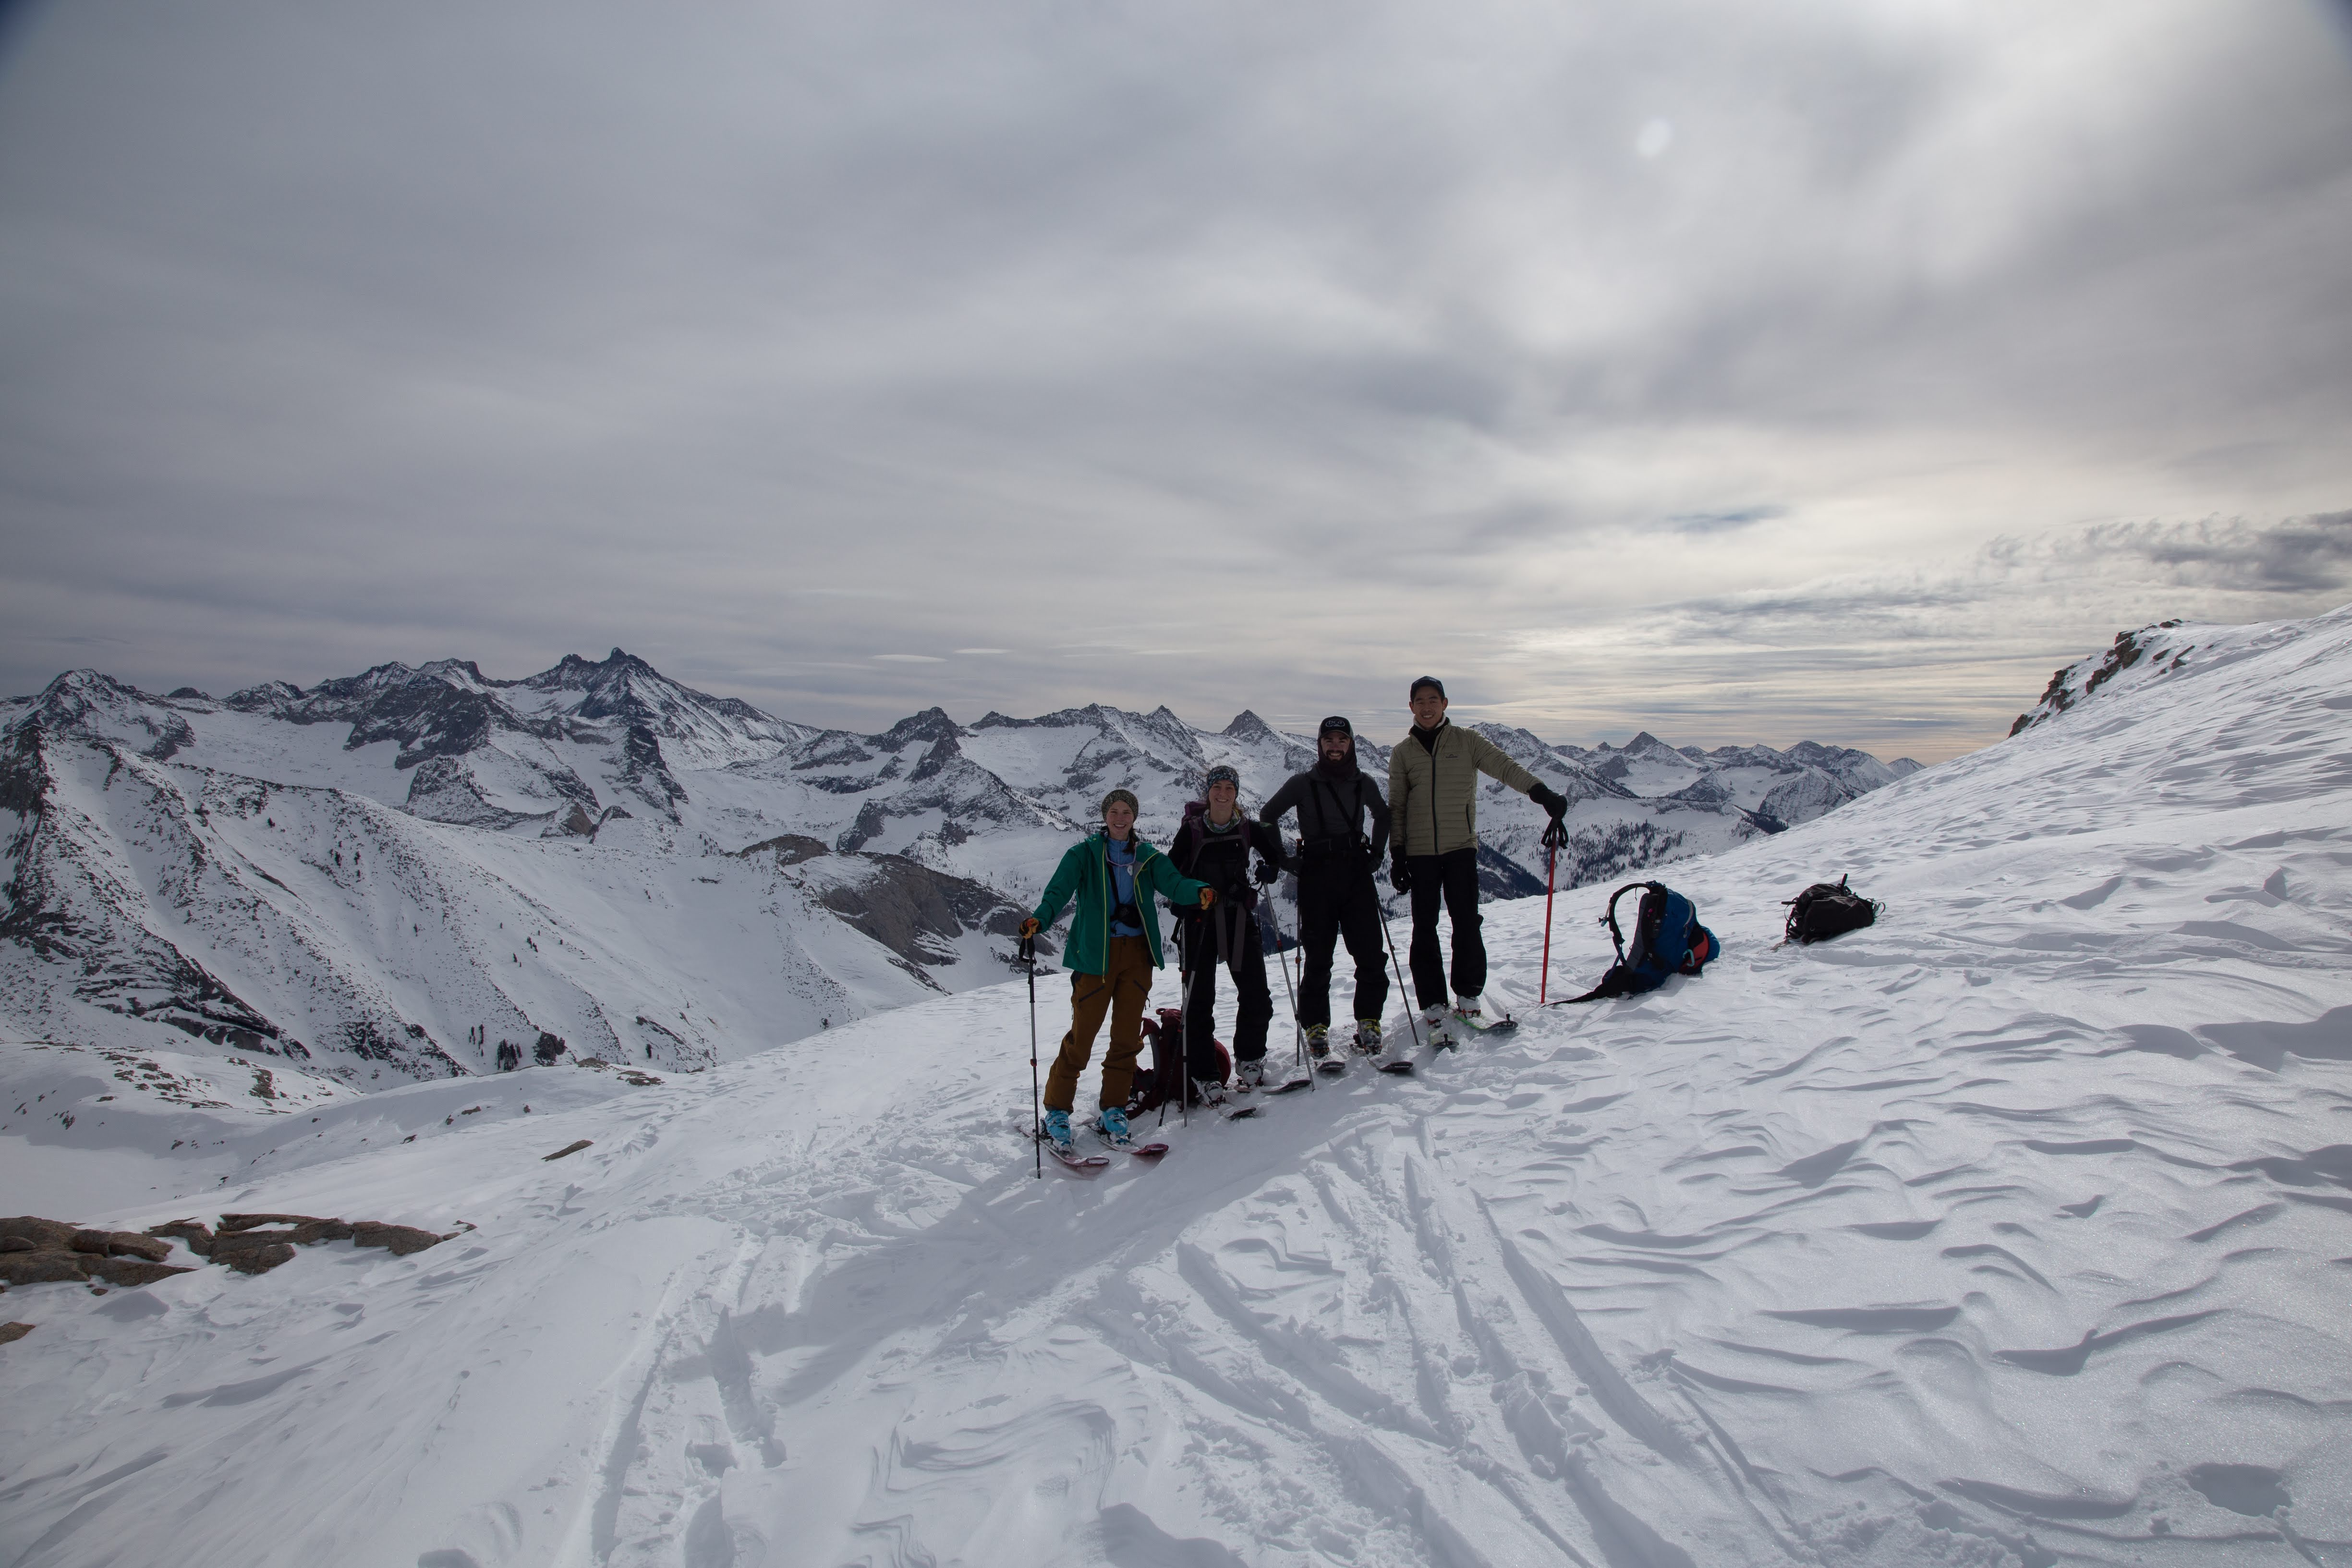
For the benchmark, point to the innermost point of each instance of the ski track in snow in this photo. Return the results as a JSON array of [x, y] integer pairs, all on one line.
[[2016, 1229]]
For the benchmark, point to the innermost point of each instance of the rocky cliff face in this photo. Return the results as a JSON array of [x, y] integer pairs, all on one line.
[[2134, 659], [389, 876]]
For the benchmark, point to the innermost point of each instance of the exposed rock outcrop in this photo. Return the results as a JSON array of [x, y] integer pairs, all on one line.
[[35, 1251], [257, 1243]]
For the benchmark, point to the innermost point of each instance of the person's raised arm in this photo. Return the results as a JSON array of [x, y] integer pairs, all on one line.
[[1293, 790], [1171, 884], [1060, 889], [1495, 763]]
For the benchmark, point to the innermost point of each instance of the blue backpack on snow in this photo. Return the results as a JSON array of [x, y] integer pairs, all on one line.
[[1667, 940]]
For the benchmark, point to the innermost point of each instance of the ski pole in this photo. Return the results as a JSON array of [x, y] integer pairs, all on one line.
[[1036, 1102], [1551, 859], [1412, 1014], [1297, 1030], [1184, 1033]]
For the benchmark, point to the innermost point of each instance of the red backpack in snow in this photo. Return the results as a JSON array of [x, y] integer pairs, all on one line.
[[1164, 1079]]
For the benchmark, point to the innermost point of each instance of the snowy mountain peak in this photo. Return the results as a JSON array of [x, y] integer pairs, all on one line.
[[573, 673], [1247, 726], [86, 702], [462, 672], [931, 724]]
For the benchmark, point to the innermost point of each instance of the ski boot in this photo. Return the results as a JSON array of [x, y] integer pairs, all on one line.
[[1057, 1133], [1111, 1127], [1249, 1075], [1209, 1091], [1319, 1041], [1469, 1020], [1368, 1037], [1444, 1034]]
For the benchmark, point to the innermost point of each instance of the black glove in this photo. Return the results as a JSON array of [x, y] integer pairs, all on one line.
[[1399, 877], [1267, 872], [1552, 802], [1555, 835]]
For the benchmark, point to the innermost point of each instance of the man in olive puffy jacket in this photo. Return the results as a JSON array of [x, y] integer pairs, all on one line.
[[1434, 803]]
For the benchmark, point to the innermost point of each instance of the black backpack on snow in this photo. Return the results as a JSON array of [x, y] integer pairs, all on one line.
[[1826, 910], [1667, 940]]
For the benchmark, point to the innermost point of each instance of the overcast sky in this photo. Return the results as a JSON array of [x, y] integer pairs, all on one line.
[[1828, 369]]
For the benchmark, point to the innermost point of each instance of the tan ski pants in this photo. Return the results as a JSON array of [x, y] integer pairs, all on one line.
[[1121, 992]]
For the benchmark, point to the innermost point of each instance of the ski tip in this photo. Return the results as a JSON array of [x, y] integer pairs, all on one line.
[[1396, 1068], [1149, 1151]]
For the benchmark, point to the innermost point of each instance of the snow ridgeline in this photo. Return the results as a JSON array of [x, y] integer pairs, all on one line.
[[2014, 1231]]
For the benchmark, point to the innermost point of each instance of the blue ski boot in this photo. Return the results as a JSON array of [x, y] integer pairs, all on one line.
[[1058, 1131], [1111, 1125]]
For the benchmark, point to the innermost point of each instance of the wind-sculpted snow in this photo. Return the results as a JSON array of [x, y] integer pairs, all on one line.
[[2010, 1230]]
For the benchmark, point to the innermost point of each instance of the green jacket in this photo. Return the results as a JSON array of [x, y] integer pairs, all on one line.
[[1433, 798], [1086, 871]]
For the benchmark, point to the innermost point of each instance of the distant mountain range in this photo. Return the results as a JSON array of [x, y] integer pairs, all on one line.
[[391, 875]]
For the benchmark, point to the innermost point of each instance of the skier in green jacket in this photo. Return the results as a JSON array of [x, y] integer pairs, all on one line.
[[1114, 947]]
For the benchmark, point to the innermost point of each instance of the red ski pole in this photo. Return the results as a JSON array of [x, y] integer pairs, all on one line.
[[1551, 860]]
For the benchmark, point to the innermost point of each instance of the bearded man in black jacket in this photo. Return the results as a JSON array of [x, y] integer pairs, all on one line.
[[1336, 895]]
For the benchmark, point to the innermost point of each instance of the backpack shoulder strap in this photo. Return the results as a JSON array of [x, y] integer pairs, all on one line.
[[1609, 918], [1342, 822]]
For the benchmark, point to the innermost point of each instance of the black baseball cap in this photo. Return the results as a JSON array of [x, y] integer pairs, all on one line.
[[1429, 680], [1337, 722]]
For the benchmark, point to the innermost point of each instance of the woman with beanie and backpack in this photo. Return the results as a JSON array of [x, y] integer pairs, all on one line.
[[1113, 949], [1213, 847]]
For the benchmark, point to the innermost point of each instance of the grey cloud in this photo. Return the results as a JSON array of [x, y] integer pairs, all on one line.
[[2302, 556], [1301, 341], [1724, 521]]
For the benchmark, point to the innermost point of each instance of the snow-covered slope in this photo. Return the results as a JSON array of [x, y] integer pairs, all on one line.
[[2014, 1230], [387, 878], [393, 875]]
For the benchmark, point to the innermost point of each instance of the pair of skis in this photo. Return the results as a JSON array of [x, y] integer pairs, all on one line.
[[1091, 1163], [1335, 1063]]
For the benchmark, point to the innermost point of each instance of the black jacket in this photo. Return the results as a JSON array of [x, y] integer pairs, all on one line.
[[1223, 859], [1331, 813]]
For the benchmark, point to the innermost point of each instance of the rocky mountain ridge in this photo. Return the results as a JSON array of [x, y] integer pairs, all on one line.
[[419, 872]]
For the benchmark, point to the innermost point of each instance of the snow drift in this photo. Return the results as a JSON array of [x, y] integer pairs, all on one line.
[[2012, 1230]]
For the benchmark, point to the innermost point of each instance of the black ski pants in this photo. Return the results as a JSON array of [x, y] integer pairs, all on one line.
[[1339, 902], [1453, 877], [1243, 953]]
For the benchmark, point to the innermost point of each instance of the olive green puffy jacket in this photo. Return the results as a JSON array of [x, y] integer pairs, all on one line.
[[1433, 799]]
